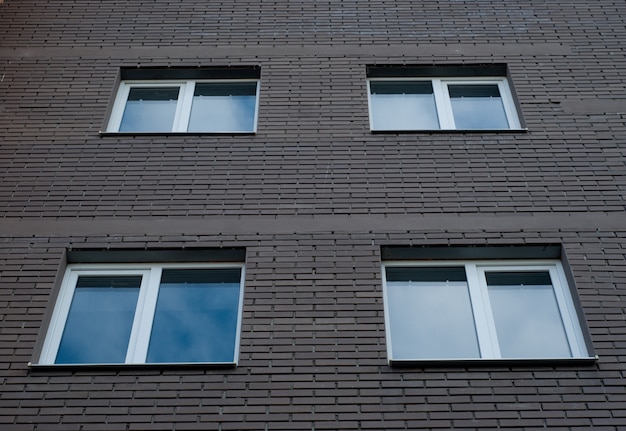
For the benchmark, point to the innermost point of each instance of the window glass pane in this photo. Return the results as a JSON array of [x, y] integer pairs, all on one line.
[[477, 106], [196, 316], [100, 320], [403, 105], [223, 107], [430, 314], [150, 109], [526, 314]]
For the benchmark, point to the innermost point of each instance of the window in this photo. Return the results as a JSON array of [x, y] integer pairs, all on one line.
[[176, 104], [455, 310], [402, 99], [144, 314]]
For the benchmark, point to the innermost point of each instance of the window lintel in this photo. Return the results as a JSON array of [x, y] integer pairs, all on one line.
[[442, 71], [185, 73]]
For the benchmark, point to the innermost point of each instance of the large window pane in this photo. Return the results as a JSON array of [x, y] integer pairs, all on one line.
[[196, 316], [526, 315], [100, 320], [477, 107], [223, 107], [403, 105], [150, 109], [430, 314]]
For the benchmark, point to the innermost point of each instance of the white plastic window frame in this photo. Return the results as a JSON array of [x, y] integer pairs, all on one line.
[[183, 106], [144, 312], [444, 105], [481, 307]]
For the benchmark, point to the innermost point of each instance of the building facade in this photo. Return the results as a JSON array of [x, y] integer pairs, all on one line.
[[300, 215]]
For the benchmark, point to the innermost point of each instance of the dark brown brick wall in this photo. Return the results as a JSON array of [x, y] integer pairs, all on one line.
[[312, 196]]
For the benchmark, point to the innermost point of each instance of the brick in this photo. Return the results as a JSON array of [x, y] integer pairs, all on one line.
[[312, 196]]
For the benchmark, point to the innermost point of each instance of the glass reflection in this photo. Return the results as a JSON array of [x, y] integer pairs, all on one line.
[[223, 107], [196, 316], [430, 314], [100, 320], [403, 105], [526, 314], [150, 109], [477, 107]]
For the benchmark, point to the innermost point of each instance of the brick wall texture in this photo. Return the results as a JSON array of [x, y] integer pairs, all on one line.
[[312, 196]]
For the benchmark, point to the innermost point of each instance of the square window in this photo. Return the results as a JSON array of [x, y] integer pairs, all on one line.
[[411, 103], [480, 310], [151, 314], [185, 106]]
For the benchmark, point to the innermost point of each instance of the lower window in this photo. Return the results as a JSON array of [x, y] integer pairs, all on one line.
[[147, 314], [480, 310]]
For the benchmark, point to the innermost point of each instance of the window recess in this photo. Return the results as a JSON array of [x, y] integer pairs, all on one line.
[[186, 101], [480, 311], [459, 98], [146, 314]]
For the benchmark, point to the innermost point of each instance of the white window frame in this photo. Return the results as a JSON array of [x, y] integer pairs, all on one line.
[[443, 104], [481, 307], [183, 106], [144, 313]]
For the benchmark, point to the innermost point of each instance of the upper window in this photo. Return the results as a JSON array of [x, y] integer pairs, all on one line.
[[145, 314], [454, 310], [415, 100], [186, 105]]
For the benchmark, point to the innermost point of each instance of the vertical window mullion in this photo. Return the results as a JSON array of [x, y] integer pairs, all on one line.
[[138, 347], [442, 100], [183, 108], [485, 325]]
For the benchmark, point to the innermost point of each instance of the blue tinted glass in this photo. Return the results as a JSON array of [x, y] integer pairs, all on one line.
[[150, 109], [477, 107], [526, 314], [223, 107], [99, 321], [196, 316], [430, 314], [403, 105]]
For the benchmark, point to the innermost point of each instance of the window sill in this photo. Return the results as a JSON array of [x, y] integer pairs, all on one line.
[[107, 134], [453, 131], [405, 363], [152, 366]]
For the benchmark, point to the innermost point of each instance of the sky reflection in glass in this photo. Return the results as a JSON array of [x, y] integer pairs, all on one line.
[[403, 105], [100, 320], [150, 109], [430, 314], [477, 107], [527, 317], [223, 107], [196, 316]]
